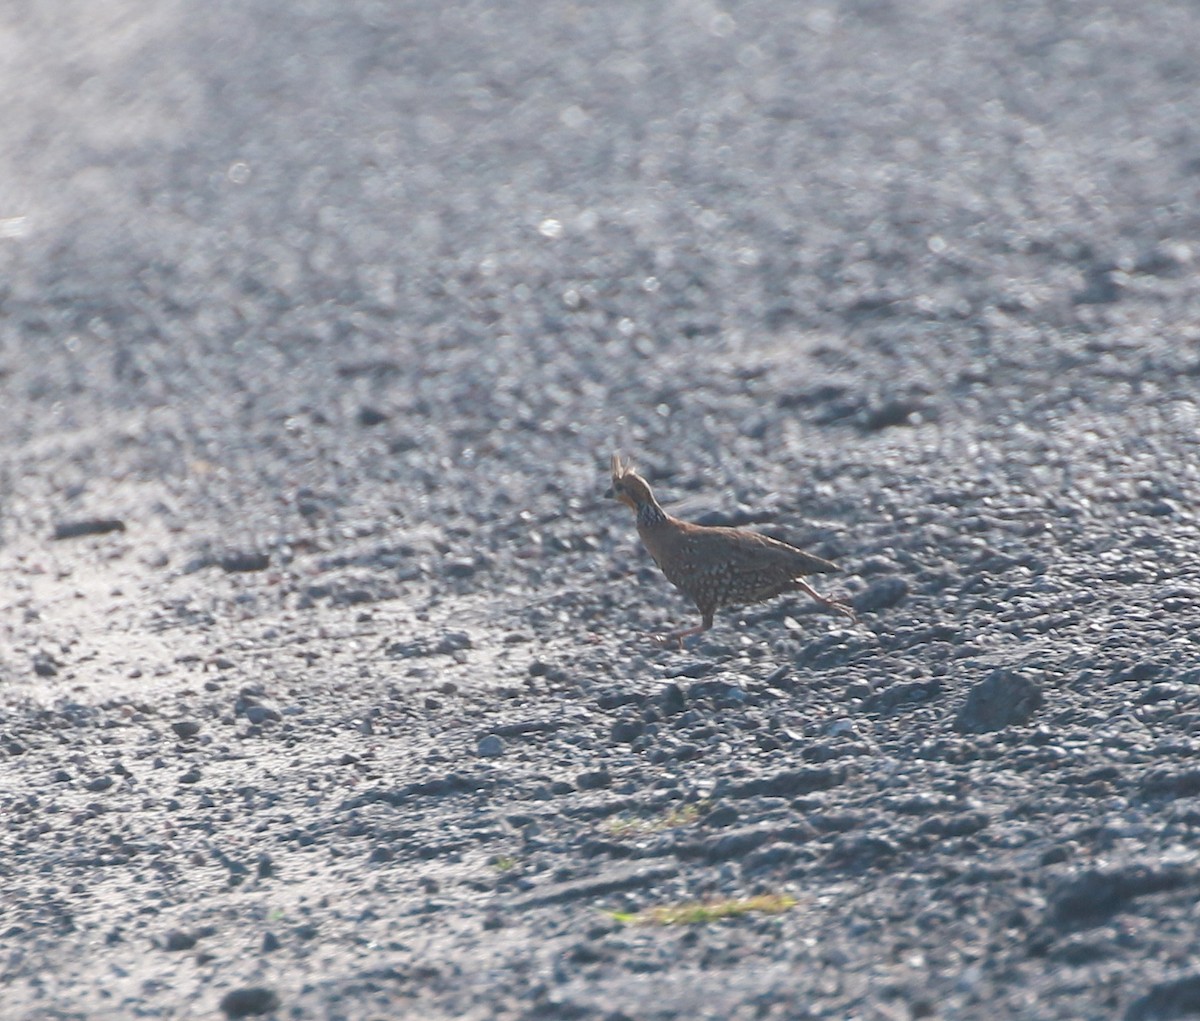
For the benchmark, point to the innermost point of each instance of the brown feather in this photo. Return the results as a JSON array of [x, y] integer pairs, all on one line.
[[716, 567]]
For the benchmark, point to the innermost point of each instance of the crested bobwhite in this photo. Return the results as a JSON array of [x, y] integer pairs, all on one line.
[[716, 567]]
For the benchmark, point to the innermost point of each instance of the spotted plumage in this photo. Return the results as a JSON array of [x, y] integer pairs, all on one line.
[[716, 567]]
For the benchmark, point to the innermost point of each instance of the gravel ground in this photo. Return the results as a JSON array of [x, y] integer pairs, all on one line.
[[325, 681]]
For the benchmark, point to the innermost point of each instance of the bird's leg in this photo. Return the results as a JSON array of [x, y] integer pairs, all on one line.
[[679, 636], [829, 604]]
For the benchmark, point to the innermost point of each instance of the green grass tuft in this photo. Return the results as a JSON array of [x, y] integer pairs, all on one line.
[[700, 913], [631, 826]]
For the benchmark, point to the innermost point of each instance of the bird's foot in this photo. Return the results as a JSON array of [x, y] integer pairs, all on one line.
[[843, 608], [673, 637], [665, 640], [825, 601]]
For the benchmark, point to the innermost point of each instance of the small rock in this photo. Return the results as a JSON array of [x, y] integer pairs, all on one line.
[[452, 641], [248, 1001], [593, 780], [191, 776], [961, 825], [461, 567], [177, 940], [627, 730], [443, 645], [1087, 898], [44, 665], [790, 782], [615, 699], [887, 412], [859, 689], [1160, 693], [1166, 782], [693, 668], [259, 714], [1176, 997], [904, 693], [88, 526], [880, 595], [266, 866], [490, 747], [860, 850], [671, 699], [369, 416], [100, 783], [270, 942], [240, 561], [1002, 699], [722, 815], [186, 728]]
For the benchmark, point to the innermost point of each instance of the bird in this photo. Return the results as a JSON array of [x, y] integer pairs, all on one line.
[[716, 567]]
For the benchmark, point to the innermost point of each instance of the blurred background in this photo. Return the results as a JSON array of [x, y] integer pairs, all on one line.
[[325, 250]]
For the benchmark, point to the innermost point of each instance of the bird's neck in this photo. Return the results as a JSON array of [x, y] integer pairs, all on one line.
[[650, 514]]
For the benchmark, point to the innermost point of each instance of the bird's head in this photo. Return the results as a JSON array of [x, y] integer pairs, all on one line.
[[628, 486]]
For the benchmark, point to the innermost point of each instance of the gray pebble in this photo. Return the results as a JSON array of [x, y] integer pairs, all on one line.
[[490, 747]]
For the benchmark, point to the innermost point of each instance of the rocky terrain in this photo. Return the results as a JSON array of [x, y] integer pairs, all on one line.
[[324, 677]]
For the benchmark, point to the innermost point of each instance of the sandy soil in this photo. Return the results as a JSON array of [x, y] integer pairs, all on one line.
[[324, 680]]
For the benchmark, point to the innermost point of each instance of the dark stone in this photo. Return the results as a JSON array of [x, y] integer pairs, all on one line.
[[615, 699], [87, 526], [186, 728], [1002, 699], [606, 849], [444, 644], [249, 1001], [905, 693], [789, 783], [45, 665], [1171, 783], [1101, 288], [887, 413], [737, 843], [243, 561], [670, 699], [693, 668], [369, 416], [959, 825], [593, 780], [1175, 998], [491, 746], [612, 880], [1092, 896], [860, 851], [177, 940], [520, 728], [460, 567], [625, 731], [722, 815], [881, 594]]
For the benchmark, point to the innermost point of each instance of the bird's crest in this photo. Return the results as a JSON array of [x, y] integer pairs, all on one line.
[[619, 469]]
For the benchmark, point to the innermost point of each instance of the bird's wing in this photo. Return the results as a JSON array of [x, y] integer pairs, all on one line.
[[737, 551]]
